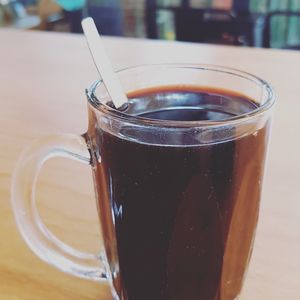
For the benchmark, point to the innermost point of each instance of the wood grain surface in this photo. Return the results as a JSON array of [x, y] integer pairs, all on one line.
[[42, 82]]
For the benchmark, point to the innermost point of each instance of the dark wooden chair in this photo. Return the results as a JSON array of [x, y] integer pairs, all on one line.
[[267, 28], [244, 21], [108, 19], [195, 24]]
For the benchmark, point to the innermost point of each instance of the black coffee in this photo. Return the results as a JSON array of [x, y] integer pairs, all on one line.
[[184, 216]]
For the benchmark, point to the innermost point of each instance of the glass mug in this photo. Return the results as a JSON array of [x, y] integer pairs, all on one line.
[[178, 201]]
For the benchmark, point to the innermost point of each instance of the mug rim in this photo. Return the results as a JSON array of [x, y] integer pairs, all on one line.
[[114, 113]]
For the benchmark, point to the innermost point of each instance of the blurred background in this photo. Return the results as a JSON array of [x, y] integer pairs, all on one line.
[[254, 23]]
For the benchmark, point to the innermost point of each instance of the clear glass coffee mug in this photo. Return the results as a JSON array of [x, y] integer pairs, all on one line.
[[178, 201]]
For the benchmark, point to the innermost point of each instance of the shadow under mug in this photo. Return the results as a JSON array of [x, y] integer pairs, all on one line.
[[178, 216]]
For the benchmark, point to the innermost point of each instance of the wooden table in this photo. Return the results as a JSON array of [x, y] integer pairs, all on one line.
[[42, 81]]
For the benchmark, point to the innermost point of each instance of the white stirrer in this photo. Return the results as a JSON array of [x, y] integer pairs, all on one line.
[[102, 63]]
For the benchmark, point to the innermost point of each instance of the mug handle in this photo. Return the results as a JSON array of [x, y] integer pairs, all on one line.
[[37, 236]]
